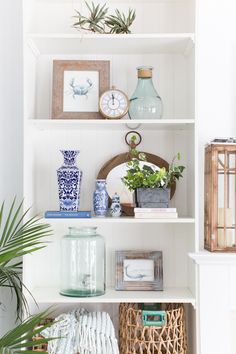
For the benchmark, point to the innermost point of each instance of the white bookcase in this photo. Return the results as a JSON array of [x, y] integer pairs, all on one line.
[[163, 36]]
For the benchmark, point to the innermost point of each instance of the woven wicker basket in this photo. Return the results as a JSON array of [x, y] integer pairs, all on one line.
[[135, 338], [41, 347]]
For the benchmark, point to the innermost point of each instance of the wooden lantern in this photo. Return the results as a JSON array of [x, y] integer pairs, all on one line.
[[220, 196]]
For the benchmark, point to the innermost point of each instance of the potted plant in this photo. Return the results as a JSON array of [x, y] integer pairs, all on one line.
[[151, 185]]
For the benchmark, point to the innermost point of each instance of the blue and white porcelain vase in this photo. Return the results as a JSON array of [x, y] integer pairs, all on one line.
[[69, 182], [115, 209], [100, 198]]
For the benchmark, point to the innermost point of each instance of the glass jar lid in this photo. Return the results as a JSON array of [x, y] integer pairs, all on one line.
[[144, 71], [82, 231]]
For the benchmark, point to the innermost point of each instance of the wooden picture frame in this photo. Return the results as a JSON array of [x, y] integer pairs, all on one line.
[[75, 92], [145, 266]]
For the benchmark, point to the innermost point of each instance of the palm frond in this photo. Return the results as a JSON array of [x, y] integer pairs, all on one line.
[[19, 339], [18, 238], [10, 277], [1, 214], [8, 224]]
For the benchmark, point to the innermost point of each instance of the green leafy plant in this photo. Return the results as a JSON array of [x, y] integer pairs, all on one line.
[[20, 338], [140, 175], [18, 238], [98, 21]]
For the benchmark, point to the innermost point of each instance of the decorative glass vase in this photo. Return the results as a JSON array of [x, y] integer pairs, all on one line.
[[83, 263], [69, 182], [100, 198], [145, 102]]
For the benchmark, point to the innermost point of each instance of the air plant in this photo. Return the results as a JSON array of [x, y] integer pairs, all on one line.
[[95, 22], [98, 20], [119, 23]]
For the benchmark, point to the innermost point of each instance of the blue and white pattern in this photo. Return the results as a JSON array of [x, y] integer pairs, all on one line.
[[69, 182], [115, 209], [100, 198]]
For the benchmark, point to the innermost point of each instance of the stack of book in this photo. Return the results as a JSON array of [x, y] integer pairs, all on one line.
[[155, 213]]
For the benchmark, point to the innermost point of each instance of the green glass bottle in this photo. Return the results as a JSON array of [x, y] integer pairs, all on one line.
[[145, 102], [83, 263]]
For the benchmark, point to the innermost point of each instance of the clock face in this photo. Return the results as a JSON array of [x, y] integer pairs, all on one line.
[[114, 104]]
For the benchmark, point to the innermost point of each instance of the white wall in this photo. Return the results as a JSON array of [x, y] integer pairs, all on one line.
[[10, 122], [215, 76], [216, 114], [217, 310]]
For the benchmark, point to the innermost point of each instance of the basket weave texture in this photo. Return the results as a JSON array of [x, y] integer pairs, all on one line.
[[138, 339], [41, 347], [135, 338]]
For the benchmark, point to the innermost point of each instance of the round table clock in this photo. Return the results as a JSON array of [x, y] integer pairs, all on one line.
[[113, 104]]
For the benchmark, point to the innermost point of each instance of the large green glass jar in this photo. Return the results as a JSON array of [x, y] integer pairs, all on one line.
[[83, 263], [145, 102]]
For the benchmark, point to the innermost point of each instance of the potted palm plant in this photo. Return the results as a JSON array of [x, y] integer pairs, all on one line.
[[151, 185], [18, 238]]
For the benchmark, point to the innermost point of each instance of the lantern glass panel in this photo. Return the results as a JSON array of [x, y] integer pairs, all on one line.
[[226, 190], [232, 184]]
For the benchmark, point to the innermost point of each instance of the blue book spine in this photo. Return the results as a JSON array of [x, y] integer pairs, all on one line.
[[67, 214]]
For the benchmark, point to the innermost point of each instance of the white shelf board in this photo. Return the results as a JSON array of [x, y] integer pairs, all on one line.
[[115, 1], [95, 124], [213, 258], [79, 43], [169, 295], [121, 220]]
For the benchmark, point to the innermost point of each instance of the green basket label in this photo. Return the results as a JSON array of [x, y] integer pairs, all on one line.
[[154, 318]]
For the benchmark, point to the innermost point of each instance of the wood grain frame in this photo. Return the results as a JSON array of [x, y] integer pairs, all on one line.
[[212, 173], [59, 66], [156, 256]]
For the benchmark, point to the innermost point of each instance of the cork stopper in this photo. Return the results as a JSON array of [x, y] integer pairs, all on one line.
[[144, 72]]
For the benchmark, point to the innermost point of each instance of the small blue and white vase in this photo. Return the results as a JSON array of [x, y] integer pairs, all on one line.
[[115, 209], [69, 182], [100, 198]]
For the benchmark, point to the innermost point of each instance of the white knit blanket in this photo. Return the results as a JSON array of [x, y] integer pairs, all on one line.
[[82, 332]]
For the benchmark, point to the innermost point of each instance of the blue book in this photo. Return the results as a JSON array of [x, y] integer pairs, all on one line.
[[67, 214]]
